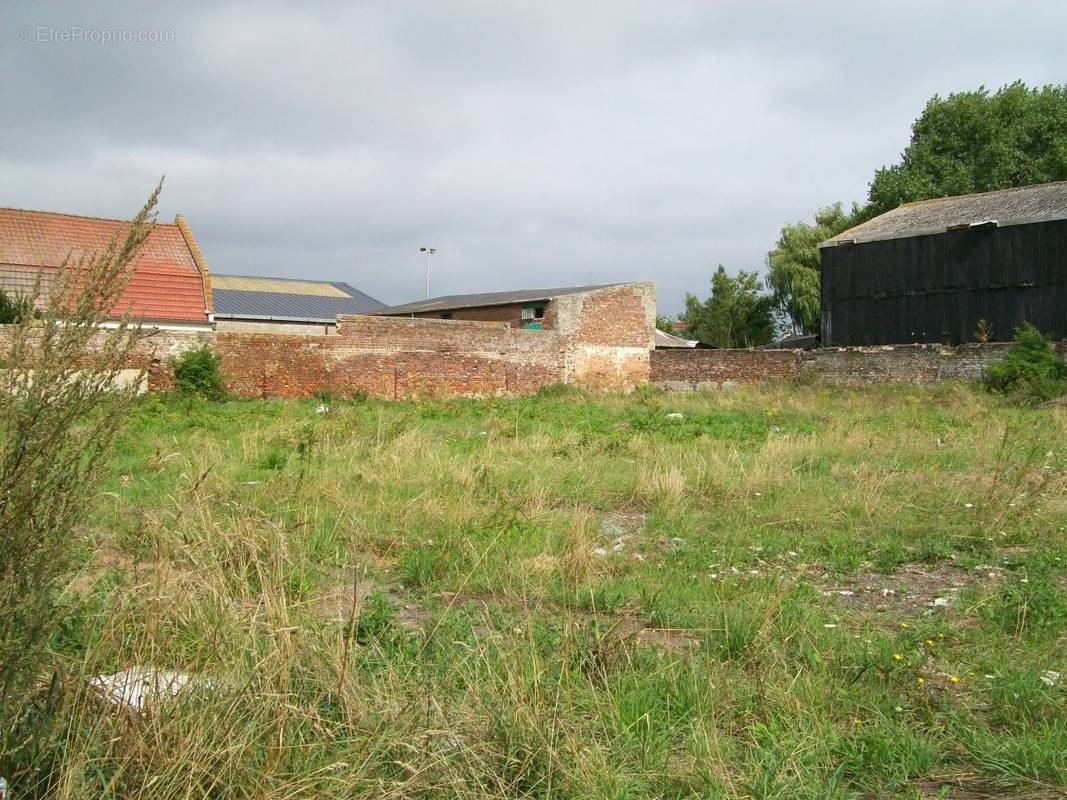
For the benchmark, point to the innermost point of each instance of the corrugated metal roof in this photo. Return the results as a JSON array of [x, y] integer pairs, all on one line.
[[308, 301], [664, 339], [245, 283], [1042, 202], [454, 301]]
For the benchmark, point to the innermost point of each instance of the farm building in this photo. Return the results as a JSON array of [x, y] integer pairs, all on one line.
[[525, 308], [170, 286], [950, 270], [616, 315], [532, 309], [285, 305]]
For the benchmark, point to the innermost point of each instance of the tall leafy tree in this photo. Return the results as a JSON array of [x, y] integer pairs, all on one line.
[[977, 142], [664, 323], [793, 266], [736, 314]]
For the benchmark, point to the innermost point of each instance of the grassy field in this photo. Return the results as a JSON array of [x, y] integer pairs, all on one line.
[[789, 591]]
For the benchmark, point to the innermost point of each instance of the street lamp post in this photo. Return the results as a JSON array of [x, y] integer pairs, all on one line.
[[428, 251]]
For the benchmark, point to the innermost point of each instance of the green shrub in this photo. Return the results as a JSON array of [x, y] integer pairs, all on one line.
[[15, 309], [1031, 370], [196, 372]]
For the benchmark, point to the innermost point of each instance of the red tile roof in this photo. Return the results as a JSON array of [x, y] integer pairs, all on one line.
[[166, 286]]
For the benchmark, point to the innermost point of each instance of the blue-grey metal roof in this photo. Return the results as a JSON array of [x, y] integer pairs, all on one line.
[[454, 301], [302, 307]]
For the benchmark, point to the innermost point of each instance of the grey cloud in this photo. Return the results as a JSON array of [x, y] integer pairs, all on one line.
[[532, 144]]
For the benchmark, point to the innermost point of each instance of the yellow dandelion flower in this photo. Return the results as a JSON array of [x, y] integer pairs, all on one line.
[[922, 681], [898, 657], [954, 679], [930, 642]]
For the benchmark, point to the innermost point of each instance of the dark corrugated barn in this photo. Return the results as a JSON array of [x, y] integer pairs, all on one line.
[[931, 271]]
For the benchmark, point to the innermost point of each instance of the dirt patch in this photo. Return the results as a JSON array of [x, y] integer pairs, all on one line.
[[974, 787], [621, 535], [619, 627], [338, 602], [144, 573], [622, 524], [916, 589]]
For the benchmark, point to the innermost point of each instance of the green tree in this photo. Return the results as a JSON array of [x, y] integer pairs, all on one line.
[[977, 142], [737, 314], [664, 324], [793, 266]]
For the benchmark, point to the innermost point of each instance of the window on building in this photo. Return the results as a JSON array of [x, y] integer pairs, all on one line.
[[533, 317]]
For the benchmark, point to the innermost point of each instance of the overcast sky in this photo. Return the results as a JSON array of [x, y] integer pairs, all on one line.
[[533, 144]]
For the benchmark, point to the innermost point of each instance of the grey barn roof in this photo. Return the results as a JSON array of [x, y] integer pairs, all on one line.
[[1039, 203], [453, 301], [295, 307]]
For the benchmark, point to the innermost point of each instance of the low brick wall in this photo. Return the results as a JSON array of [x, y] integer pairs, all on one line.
[[914, 363], [688, 370], [394, 358]]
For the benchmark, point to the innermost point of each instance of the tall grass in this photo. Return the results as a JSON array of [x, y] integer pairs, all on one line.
[[573, 597]]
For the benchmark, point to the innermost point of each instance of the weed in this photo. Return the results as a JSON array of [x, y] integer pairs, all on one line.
[[196, 373], [1032, 370]]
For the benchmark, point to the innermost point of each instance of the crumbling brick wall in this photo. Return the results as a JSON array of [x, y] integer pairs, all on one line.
[[686, 370], [913, 363], [392, 357], [608, 334], [152, 352]]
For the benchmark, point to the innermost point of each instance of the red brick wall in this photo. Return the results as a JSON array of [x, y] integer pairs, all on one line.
[[609, 335], [392, 357], [619, 316]]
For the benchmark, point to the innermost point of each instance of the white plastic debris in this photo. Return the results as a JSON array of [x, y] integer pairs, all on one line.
[[137, 687], [941, 602], [322, 409], [675, 417]]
